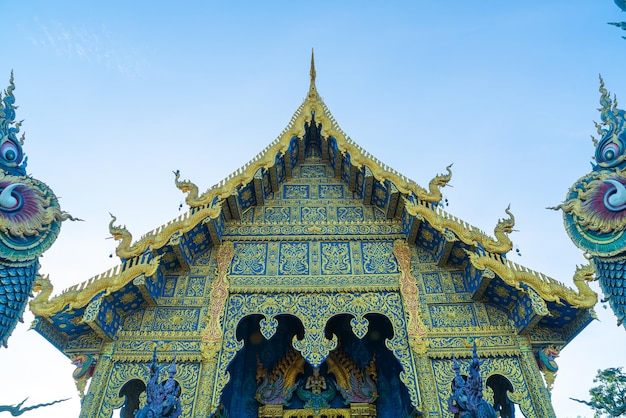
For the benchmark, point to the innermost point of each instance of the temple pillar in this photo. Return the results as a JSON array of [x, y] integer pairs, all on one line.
[[97, 388], [537, 390], [415, 328], [213, 378], [204, 404], [427, 385]]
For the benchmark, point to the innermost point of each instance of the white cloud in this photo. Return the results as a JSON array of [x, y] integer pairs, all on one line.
[[92, 46]]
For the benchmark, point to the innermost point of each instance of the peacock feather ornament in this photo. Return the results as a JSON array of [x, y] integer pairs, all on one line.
[[594, 210], [30, 220]]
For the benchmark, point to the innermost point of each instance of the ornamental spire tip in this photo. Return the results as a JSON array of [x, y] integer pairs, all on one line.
[[312, 66], [312, 88]]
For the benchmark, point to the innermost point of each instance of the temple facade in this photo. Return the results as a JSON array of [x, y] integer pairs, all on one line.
[[314, 282]]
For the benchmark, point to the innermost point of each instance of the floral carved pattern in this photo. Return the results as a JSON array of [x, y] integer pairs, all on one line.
[[378, 258], [336, 258]]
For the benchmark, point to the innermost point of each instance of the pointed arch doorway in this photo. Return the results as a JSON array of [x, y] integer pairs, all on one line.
[[270, 379]]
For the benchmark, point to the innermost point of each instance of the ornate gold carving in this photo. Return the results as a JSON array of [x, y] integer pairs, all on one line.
[[85, 343], [322, 412], [336, 258], [452, 315], [212, 335], [442, 221], [377, 259], [313, 266], [314, 310], [316, 284], [264, 231], [293, 259], [362, 410], [548, 288], [140, 349], [359, 158], [271, 411], [80, 295], [410, 295], [538, 304]]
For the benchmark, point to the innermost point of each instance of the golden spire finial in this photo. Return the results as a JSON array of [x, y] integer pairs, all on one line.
[[312, 89], [312, 66]]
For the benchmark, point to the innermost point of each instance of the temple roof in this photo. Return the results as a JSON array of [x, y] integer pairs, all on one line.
[[312, 129]]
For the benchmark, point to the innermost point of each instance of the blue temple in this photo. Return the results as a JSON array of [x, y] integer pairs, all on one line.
[[315, 281]]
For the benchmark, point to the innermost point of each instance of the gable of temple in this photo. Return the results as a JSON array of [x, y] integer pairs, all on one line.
[[315, 278]]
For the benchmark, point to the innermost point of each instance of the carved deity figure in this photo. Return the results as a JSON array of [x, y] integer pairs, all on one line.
[[316, 393], [316, 383], [467, 400], [162, 399]]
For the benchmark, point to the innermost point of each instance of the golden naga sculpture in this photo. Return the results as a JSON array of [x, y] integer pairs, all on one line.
[[343, 367], [276, 387], [158, 238], [120, 233], [442, 221], [216, 194], [549, 289], [80, 295], [435, 186], [187, 187]]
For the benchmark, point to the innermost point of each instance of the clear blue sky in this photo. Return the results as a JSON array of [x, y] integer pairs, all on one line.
[[115, 95]]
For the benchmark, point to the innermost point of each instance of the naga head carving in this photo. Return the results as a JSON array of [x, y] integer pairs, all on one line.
[[117, 232], [441, 180], [585, 272], [595, 206], [30, 216], [41, 283], [505, 225], [547, 358]]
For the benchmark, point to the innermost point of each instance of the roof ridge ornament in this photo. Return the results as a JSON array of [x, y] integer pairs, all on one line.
[[312, 89]]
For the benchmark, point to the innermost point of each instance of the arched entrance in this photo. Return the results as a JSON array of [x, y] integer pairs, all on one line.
[[360, 376]]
